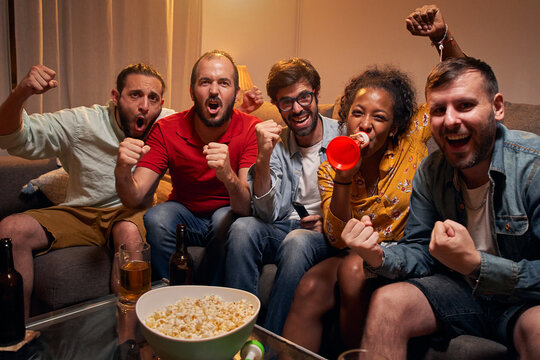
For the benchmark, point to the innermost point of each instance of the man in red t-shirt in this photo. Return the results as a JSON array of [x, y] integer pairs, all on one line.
[[208, 151]]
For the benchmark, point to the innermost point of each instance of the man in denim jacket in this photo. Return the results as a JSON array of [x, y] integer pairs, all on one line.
[[285, 171], [470, 256]]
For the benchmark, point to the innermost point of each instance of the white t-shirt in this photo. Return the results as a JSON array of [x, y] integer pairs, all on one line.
[[477, 208], [308, 187]]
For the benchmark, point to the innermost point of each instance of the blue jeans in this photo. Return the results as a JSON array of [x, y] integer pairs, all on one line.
[[160, 222], [253, 243]]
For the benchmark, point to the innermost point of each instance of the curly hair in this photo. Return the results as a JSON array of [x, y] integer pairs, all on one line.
[[395, 82]]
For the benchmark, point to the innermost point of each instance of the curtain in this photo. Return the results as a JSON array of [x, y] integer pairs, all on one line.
[[5, 85], [88, 42]]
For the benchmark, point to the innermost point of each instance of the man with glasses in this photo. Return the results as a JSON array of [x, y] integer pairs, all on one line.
[[285, 172]]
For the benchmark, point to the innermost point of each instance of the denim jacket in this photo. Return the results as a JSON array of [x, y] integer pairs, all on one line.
[[514, 176], [285, 172]]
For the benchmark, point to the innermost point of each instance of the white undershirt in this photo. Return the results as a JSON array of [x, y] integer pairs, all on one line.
[[308, 187], [477, 207]]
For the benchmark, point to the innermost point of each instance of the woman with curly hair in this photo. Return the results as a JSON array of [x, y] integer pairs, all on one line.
[[381, 103]]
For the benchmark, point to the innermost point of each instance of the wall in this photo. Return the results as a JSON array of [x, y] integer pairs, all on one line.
[[342, 37]]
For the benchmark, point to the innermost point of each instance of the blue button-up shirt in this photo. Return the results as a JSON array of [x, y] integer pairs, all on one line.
[[285, 173], [514, 273]]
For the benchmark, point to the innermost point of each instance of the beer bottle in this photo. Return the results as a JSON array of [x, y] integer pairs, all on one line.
[[12, 327], [180, 263]]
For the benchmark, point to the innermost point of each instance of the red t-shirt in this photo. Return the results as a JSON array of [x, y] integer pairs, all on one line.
[[174, 144]]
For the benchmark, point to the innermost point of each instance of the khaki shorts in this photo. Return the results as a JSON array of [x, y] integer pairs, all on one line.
[[79, 226]]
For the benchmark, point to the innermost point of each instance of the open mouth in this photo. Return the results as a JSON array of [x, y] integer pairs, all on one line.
[[458, 140], [213, 106], [139, 123], [300, 119]]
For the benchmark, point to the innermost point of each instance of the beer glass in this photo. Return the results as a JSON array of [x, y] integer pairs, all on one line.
[[133, 262], [361, 354]]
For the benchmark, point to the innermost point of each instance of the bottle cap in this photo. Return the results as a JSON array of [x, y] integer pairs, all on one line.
[[252, 350]]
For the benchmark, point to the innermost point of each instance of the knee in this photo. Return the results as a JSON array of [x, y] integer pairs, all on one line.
[[310, 290], [20, 228], [126, 232], [299, 243], [243, 233], [527, 330], [26, 234], [388, 302], [154, 216], [351, 275]]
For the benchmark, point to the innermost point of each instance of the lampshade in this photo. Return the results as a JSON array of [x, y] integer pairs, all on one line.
[[244, 80]]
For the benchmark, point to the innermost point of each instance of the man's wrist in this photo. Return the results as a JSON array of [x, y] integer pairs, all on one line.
[[262, 160], [475, 274]]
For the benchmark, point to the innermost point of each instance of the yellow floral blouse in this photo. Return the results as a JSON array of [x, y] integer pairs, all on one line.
[[389, 208]]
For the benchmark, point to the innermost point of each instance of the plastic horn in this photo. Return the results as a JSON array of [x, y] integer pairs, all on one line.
[[343, 152]]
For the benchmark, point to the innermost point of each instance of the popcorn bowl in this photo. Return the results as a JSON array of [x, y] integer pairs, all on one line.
[[223, 346]]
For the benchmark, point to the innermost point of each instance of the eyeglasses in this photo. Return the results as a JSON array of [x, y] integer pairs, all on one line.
[[305, 98]]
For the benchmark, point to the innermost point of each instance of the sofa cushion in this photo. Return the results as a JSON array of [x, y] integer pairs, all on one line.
[[522, 116], [67, 276], [470, 348]]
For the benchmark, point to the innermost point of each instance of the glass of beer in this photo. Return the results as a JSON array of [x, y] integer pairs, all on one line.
[[361, 354], [133, 262]]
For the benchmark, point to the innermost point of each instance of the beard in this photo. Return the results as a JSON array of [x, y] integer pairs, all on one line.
[[214, 122], [125, 124], [314, 115], [485, 137]]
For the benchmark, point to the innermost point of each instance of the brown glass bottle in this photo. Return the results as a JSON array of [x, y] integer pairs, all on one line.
[[180, 263], [12, 327]]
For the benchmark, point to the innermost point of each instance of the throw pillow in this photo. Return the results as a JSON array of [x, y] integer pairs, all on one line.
[[163, 190], [52, 184]]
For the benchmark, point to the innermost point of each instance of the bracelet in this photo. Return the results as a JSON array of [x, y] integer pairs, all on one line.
[[446, 38], [342, 183], [436, 43]]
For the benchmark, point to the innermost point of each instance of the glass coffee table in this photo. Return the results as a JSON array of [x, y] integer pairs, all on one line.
[[98, 329]]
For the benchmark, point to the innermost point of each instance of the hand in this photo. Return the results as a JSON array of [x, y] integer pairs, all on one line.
[[360, 236], [130, 152], [267, 134], [39, 80], [251, 100], [217, 157], [427, 21], [312, 222], [453, 246], [345, 176]]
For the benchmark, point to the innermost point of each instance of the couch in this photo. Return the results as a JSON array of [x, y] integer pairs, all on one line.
[[68, 276]]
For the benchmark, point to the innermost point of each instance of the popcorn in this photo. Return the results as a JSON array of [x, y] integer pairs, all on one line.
[[192, 318]]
